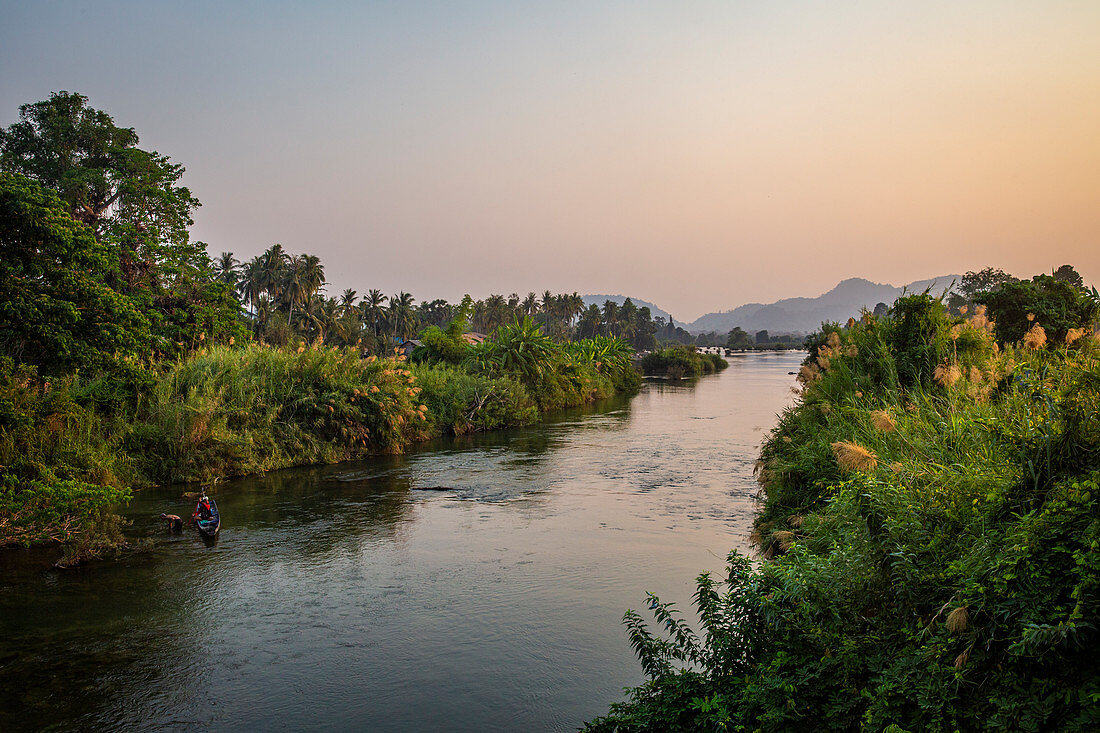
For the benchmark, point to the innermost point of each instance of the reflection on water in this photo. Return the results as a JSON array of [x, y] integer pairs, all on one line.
[[472, 584]]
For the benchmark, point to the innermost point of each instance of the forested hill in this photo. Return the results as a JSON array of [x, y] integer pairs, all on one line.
[[599, 300], [803, 315]]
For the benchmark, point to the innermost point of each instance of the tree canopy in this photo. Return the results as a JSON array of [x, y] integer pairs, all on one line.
[[125, 194], [57, 312], [1054, 304]]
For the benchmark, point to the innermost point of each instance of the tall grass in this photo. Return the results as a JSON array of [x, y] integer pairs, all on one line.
[[70, 451]]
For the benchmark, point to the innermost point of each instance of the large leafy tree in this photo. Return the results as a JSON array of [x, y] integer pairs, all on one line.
[[56, 311], [133, 207], [128, 196]]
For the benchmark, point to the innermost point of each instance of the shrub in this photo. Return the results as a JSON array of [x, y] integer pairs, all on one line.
[[1055, 305], [677, 362]]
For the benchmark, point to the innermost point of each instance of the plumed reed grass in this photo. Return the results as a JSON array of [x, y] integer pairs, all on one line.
[[808, 374], [957, 620], [1074, 334], [881, 420], [1035, 338], [946, 374], [783, 539], [853, 457]]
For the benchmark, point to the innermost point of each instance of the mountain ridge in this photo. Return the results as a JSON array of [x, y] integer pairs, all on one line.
[[598, 299], [797, 315], [803, 315]]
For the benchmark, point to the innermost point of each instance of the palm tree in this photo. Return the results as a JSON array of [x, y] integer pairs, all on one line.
[[589, 324], [226, 269], [530, 304], [371, 310], [610, 316], [347, 300], [264, 307], [576, 307], [402, 315], [294, 286], [628, 319], [314, 273], [495, 312], [480, 316], [273, 264], [436, 312], [546, 307], [250, 283]]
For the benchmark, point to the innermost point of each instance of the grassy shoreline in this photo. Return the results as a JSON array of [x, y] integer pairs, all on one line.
[[72, 451]]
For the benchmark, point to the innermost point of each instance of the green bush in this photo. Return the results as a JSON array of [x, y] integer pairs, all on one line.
[[60, 472], [681, 362], [1057, 306]]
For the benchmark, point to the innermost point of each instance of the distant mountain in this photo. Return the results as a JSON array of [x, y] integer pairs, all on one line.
[[654, 311], [803, 315]]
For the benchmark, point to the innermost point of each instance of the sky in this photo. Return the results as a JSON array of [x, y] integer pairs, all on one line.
[[698, 155]]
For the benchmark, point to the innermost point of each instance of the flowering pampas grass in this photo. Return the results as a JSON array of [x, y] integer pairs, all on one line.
[[1074, 333], [947, 374], [956, 620], [808, 374], [1035, 339], [784, 539], [854, 457], [882, 421]]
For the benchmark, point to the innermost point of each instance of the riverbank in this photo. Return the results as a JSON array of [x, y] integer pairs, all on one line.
[[73, 451], [930, 515]]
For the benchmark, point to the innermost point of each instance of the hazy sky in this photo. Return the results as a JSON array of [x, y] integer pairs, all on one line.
[[696, 154]]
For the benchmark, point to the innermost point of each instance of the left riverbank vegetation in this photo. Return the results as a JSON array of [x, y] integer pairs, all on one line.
[[929, 535], [130, 357]]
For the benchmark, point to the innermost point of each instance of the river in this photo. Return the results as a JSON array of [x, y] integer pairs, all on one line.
[[348, 597]]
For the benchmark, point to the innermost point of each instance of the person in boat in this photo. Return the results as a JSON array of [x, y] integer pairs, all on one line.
[[175, 523], [202, 509]]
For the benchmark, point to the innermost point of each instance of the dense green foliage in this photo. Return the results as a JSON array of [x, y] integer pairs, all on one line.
[[681, 362], [57, 312], [128, 201], [1057, 305], [931, 521]]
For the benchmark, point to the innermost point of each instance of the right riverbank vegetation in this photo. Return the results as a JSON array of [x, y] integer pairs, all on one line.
[[929, 535], [128, 357]]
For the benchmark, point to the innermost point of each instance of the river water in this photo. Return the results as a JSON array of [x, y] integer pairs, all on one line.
[[349, 597]]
